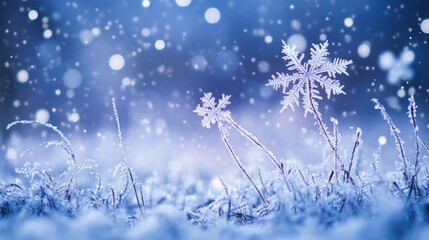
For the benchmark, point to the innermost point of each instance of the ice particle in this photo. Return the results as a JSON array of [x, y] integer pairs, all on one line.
[[348, 22], [16, 103], [126, 82], [22, 76], [70, 93], [263, 66], [47, 33], [42, 116], [72, 78], [146, 3], [199, 63], [382, 140], [159, 44], [364, 50], [96, 32], [183, 3], [116, 62], [295, 24], [425, 26], [32, 15], [74, 117], [265, 92], [145, 32], [299, 41], [407, 57], [11, 154], [212, 15], [386, 60], [86, 36], [401, 93], [268, 39]]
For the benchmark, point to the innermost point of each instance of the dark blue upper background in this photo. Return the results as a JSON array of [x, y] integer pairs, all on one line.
[[233, 56]]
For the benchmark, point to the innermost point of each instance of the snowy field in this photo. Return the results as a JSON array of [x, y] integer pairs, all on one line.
[[193, 119]]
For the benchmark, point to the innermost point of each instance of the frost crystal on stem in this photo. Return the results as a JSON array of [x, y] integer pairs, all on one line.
[[125, 159], [305, 79], [215, 113], [306, 76], [211, 112], [394, 131]]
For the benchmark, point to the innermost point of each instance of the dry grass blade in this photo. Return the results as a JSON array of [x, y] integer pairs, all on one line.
[[124, 157]]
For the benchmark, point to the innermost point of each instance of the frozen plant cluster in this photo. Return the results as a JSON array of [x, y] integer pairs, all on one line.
[[334, 198], [328, 195]]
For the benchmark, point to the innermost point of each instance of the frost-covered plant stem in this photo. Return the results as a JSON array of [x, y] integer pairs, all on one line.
[[238, 162], [113, 202], [124, 156], [318, 117], [68, 147], [306, 78], [355, 146], [412, 111], [424, 144], [213, 113], [394, 131], [255, 141], [336, 142]]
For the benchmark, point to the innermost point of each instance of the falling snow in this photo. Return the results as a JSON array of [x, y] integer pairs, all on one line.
[[62, 167]]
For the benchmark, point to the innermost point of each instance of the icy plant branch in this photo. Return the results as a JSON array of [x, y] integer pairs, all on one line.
[[67, 147], [394, 131], [140, 202], [412, 113], [213, 112]]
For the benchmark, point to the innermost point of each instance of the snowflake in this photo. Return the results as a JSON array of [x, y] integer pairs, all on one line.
[[306, 76], [212, 112]]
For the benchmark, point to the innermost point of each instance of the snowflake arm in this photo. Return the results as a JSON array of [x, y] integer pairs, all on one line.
[[294, 61], [309, 101], [291, 97], [337, 66], [318, 55], [331, 86], [283, 80]]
